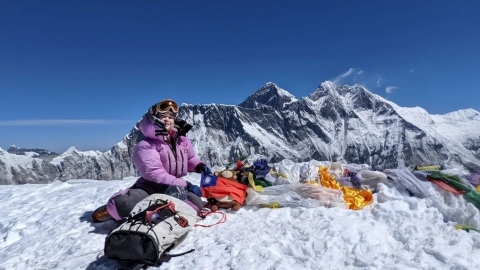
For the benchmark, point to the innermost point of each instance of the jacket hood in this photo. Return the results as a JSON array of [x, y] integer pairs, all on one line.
[[148, 129]]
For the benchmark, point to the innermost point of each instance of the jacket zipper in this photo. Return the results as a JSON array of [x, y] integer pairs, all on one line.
[[182, 160], [174, 152], [169, 163]]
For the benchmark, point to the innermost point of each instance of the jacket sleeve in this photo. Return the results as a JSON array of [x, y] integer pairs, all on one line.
[[193, 161], [147, 161]]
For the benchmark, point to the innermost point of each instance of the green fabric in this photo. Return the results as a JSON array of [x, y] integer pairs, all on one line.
[[471, 195], [262, 182], [474, 197], [468, 229], [455, 178], [443, 177]]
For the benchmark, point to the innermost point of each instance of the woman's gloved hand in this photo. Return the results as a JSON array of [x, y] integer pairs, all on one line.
[[194, 188], [202, 168], [182, 127]]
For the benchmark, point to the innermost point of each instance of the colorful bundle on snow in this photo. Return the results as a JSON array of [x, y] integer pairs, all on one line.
[[355, 198]]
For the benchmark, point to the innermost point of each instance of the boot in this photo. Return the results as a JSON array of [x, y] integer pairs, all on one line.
[[101, 215]]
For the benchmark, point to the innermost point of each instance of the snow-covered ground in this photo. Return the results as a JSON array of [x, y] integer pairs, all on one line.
[[47, 227]]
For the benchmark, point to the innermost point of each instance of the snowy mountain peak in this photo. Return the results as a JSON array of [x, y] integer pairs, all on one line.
[[68, 152], [328, 85], [345, 98], [269, 84], [464, 115], [346, 90], [324, 89], [270, 95], [331, 88]]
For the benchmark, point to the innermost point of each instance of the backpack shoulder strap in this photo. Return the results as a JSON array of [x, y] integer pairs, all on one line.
[[164, 258]]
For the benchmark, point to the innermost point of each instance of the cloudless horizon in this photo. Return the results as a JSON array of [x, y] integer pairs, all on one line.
[[81, 73]]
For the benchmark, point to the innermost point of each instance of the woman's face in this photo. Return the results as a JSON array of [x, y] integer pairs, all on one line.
[[168, 119]]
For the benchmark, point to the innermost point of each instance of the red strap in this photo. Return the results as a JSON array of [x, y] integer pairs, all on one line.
[[446, 186], [204, 214]]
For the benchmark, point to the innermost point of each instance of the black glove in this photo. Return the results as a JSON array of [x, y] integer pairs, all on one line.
[[203, 168], [182, 126]]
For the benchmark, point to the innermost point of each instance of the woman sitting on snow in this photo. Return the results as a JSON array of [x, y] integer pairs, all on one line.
[[162, 158]]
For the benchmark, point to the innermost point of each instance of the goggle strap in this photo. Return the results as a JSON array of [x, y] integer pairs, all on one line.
[[170, 108]]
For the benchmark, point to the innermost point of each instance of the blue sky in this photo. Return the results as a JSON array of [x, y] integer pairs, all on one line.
[[98, 65]]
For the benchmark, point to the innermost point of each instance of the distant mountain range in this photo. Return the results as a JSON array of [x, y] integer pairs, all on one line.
[[335, 123], [39, 153]]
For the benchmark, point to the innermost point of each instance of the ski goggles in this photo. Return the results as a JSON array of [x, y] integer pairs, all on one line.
[[164, 211], [167, 105]]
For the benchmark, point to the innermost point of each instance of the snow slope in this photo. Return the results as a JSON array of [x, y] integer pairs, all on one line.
[[46, 226]]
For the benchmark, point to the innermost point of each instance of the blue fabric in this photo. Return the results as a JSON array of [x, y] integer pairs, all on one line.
[[204, 169], [260, 167], [208, 180], [195, 189]]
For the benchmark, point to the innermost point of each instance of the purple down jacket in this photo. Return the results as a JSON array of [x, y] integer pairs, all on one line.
[[158, 165]]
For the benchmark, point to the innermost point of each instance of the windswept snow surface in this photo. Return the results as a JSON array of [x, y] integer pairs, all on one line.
[[47, 227]]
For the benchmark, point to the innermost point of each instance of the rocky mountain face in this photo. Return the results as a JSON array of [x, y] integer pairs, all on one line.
[[23, 169], [335, 123], [115, 163]]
